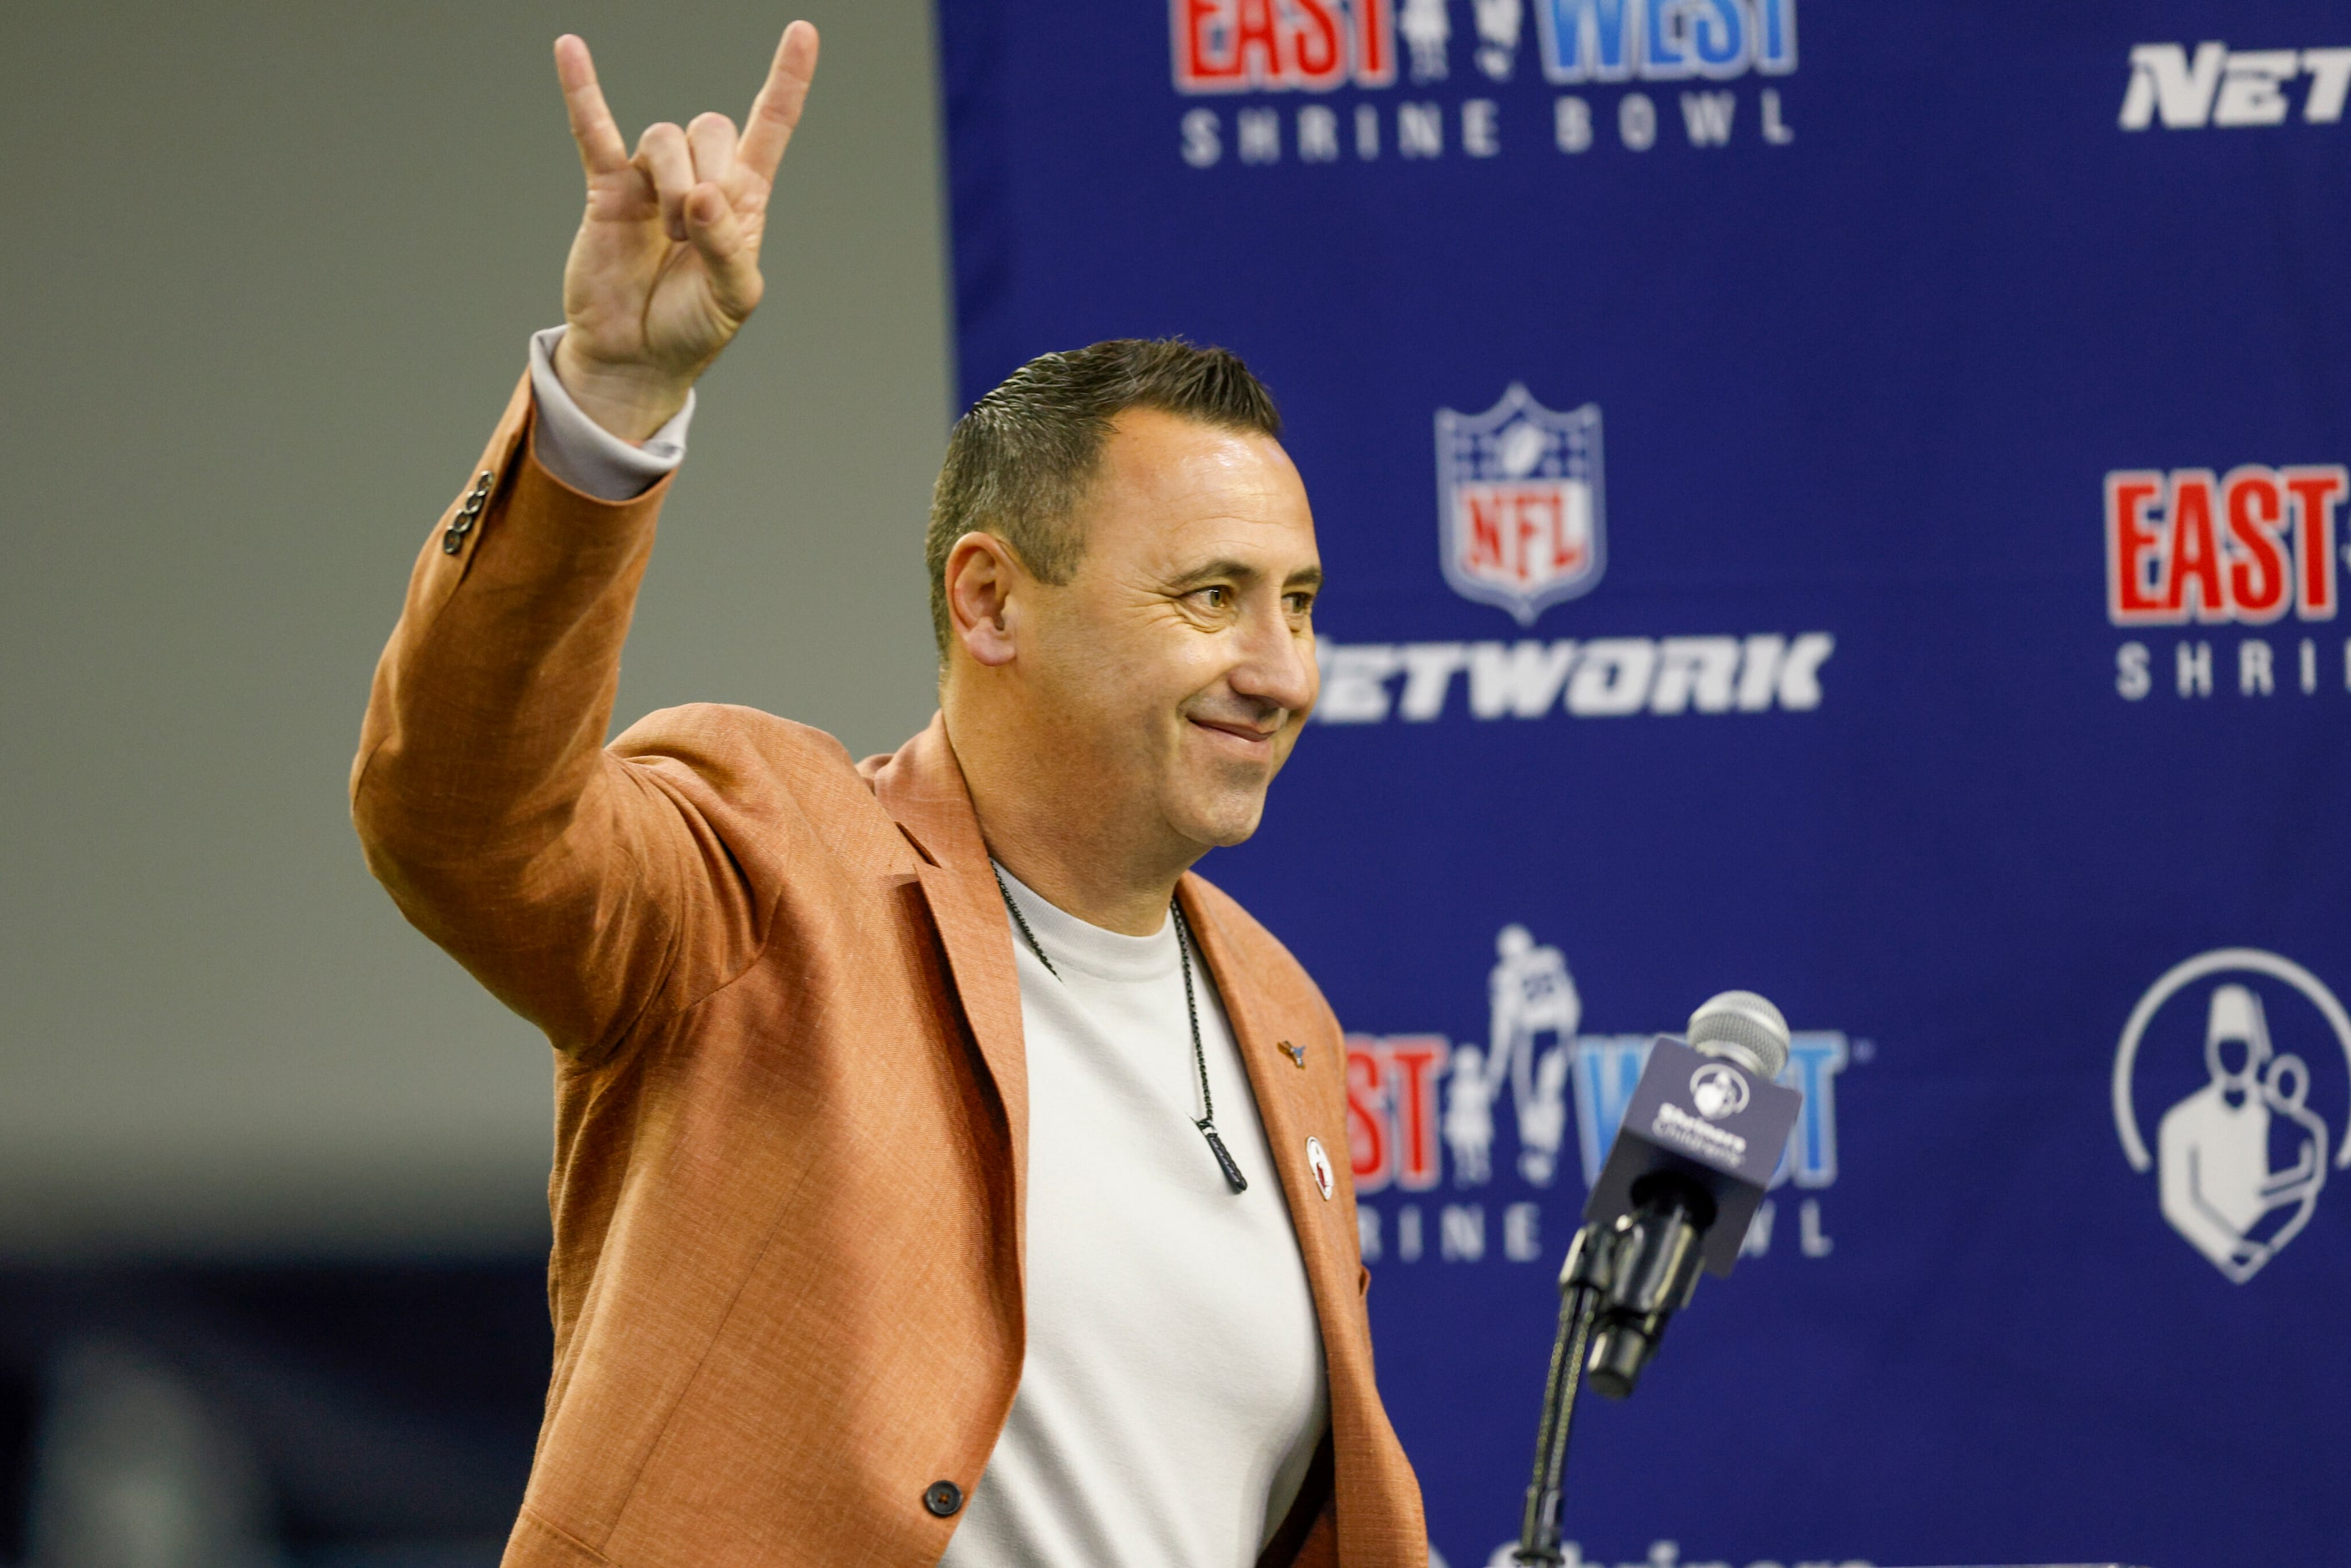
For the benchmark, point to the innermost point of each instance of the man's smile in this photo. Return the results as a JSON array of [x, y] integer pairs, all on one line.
[[1247, 738]]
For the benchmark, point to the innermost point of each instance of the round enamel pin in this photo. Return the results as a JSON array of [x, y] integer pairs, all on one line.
[[1320, 1164]]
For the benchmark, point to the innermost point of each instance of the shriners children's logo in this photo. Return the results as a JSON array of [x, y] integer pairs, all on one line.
[[1520, 503], [2242, 1155], [1717, 1090]]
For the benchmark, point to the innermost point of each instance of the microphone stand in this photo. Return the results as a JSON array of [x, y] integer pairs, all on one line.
[[1583, 1282], [1693, 1159], [1620, 1284]]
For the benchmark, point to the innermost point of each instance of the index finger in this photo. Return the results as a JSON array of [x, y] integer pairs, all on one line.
[[776, 113], [601, 151]]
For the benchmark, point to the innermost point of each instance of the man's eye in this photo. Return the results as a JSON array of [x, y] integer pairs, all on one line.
[[1216, 598], [1300, 604]]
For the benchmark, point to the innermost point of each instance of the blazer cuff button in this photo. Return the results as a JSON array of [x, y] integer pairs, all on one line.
[[942, 1498]]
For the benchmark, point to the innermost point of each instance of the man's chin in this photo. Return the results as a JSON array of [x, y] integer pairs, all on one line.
[[1222, 824]]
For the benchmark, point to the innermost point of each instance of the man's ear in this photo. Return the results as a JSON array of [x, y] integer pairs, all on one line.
[[986, 586]]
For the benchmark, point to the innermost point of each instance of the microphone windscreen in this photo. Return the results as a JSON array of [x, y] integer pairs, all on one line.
[[1743, 1027]]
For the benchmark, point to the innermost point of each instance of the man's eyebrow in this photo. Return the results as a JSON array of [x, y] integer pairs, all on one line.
[[1216, 571], [1241, 571]]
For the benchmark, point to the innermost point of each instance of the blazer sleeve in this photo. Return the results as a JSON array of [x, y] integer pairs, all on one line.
[[587, 891]]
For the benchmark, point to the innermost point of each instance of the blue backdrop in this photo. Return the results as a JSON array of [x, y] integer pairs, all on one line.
[[1848, 504]]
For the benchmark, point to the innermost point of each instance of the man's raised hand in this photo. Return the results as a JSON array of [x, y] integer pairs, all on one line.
[[665, 266]]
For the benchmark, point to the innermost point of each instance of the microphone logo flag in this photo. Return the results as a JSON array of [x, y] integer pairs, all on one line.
[[1520, 503], [2240, 1057]]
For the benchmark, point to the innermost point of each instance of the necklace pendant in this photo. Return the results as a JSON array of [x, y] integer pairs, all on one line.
[[1233, 1176]]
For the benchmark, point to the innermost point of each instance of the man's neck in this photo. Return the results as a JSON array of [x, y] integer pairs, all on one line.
[[1130, 906], [1080, 854]]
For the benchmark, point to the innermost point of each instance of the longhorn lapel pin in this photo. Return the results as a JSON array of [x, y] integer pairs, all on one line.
[[1297, 1053], [1320, 1164]]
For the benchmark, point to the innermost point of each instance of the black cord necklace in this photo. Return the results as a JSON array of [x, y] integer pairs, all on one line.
[[1208, 1122]]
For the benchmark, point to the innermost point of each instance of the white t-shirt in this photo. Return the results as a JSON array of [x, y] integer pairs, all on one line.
[[1173, 1392]]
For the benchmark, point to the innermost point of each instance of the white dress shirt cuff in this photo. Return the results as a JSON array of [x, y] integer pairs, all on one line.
[[583, 453]]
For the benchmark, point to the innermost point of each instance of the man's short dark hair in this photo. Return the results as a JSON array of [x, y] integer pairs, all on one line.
[[1020, 460]]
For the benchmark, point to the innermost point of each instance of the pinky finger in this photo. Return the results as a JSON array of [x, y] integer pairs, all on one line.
[[776, 113]]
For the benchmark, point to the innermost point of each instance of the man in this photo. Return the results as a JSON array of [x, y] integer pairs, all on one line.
[[942, 1172]]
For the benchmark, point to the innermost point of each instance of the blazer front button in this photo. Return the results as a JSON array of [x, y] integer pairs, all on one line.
[[942, 1498]]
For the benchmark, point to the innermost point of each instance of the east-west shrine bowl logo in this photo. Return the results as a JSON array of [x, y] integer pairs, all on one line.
[[1520, 503], [2243, 1133]]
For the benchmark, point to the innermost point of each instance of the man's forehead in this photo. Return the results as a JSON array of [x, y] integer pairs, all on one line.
[[1184, 486], [1149, 448]]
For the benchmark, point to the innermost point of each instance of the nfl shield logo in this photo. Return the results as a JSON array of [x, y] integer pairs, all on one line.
[[1519, 503]]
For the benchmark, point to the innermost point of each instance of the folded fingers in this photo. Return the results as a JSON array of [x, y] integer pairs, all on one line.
[[667, 163], [711, 137]]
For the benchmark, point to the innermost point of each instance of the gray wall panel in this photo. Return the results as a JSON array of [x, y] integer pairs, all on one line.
[[270, 272]]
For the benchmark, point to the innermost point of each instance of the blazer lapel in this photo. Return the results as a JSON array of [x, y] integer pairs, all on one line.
[[922, 788], [1258, 1035], [1374, 1518]]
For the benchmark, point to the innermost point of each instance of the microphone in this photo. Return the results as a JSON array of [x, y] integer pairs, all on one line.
[[1693, 1157]]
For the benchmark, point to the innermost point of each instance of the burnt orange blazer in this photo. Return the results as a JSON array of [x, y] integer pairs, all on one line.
[[790, 1102]]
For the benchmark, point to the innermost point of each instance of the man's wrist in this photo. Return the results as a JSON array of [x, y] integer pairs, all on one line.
[[630, 402], [581, 452]]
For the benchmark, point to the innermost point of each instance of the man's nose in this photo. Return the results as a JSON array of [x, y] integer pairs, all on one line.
[[1276, 664]]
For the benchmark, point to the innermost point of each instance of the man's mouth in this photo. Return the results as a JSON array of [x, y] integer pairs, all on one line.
[[1257, 740]]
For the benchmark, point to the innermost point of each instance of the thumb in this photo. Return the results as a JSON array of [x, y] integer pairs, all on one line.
[[728, 256]]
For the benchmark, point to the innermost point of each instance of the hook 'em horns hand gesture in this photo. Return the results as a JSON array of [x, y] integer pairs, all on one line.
[[666, 268]]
